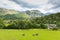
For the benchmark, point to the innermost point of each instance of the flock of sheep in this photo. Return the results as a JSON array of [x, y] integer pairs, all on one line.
[[32, 35]]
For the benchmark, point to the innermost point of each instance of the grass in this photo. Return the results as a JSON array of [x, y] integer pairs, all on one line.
[[6, 34]]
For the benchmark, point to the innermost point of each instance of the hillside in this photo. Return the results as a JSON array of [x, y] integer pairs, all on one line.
[[12, 14], [4, 11], [34, 13], [52, 18], [28, 19]]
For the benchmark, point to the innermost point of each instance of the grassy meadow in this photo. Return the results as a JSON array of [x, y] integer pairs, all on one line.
[[11, 34]]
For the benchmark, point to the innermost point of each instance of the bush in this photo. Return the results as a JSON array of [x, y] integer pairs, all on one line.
[[1, 26], [43, 26], [55, 28], [58, 25]]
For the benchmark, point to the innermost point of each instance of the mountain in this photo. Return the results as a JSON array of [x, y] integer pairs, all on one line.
[[52, 18], [4, 11], [28, 12], [12, 14], [48, 13], [34, 13]]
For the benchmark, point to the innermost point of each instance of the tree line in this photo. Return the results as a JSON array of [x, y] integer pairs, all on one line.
[[32, 23]]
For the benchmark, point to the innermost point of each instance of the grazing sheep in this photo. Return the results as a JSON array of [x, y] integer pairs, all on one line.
[[35, 34], [23, 34]]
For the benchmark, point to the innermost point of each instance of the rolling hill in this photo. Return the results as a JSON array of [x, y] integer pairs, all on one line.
[[12, 14]]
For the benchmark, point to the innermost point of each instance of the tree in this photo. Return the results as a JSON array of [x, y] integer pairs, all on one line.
[[43, 26], [1, 23]]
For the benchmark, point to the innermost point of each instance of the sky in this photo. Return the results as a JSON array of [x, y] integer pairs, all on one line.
[[45, 6]]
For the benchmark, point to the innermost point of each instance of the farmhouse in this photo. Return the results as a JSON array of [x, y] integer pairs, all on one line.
[[51, 26]]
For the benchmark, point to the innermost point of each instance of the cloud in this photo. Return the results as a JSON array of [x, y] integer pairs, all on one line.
[[30, 3], [55, 2], [25, 4], [36, 2], [22, 5], [9, 5], [56, 6], [41, 5]]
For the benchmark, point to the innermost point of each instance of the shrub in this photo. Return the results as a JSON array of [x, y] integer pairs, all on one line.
[[43, 26], [55, 28]]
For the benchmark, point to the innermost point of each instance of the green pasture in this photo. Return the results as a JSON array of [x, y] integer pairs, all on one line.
[[10, 34]]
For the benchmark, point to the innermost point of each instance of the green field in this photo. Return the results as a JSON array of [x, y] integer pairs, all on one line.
[[28, 34]]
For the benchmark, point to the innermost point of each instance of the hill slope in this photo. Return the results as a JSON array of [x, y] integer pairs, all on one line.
[[52, 18], [12, 14]]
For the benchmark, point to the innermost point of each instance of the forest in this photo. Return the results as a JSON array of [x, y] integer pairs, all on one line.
[[12, 22]]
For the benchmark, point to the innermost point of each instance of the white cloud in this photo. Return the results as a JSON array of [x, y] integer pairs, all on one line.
[[10, 5], [56, 10], [43, 5], [46, 7], [36, 2]]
